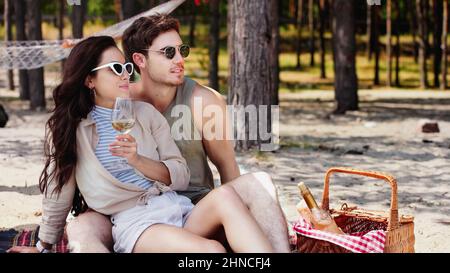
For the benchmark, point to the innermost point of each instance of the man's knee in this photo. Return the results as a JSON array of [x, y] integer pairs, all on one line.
[[259, 184], [264, 178]]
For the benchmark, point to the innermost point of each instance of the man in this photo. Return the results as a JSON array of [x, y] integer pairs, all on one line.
[[155, 47]]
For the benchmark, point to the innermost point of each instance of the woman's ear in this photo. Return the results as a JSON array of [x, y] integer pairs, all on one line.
[[139, 60], [89, 83]]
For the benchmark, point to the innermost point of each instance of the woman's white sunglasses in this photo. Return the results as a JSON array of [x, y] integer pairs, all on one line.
[[117, 68]]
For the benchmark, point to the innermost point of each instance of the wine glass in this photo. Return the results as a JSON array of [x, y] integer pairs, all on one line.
[[122, 119]]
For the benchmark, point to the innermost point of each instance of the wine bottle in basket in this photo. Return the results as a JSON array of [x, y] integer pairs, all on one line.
[[320, 219]]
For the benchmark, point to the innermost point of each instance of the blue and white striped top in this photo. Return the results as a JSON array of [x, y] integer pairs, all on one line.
[[107, 135]]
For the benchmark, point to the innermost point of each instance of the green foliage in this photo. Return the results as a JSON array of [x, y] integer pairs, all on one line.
[[49, 6], [100, 8]]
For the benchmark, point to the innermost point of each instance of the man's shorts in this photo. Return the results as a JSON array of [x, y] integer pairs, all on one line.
[[195, 193]]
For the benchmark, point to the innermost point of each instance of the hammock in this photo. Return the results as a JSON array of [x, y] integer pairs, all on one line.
[[35, 54]]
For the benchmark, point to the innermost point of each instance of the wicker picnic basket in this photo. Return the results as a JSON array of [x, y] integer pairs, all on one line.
[[399, 230]]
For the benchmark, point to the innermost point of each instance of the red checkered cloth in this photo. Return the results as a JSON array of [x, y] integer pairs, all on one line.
[[360, 242]]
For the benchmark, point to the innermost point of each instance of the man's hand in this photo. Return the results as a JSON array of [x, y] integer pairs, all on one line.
[[23, 249]]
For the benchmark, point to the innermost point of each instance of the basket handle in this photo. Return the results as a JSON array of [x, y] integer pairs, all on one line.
[[393, 221]]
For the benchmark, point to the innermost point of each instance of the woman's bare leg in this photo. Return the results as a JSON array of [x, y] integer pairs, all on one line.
[[90, 232], [166, 239], [224, 207]]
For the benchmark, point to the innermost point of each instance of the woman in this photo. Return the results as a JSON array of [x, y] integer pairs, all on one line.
[[146, 213]]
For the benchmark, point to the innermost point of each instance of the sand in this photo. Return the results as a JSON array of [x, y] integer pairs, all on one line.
[[383, 136]]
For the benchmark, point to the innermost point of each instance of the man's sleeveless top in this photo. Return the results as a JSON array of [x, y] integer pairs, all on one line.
[[188, 137]]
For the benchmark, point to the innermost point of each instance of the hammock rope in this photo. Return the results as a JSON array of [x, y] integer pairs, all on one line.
[[36, 54]]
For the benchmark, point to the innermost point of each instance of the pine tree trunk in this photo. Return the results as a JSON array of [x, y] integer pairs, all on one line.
[[118, 10], [369, 34], [192, 23], [344, 55], [444, 45], [426, 23], [311, 31], [274, 50], [376, 44], [128, 9], [78, 17], [437, 36], [20, 12], [214, 32], [421, 22], [8, 7], [151, 3], [397, 44], [410, 6], [36, 76], [292, 8], [299, 32], [388, 43], [154, 3], [61, 8], [322, 13], [253, 44]]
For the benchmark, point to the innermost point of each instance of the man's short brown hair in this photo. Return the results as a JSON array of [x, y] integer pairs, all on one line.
[[141, 34]]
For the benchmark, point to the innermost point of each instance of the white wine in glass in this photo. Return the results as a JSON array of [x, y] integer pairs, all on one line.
[[124, 126], [122, 119]]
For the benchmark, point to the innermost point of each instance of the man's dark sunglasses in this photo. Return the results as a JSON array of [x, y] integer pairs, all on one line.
[[170, 51]]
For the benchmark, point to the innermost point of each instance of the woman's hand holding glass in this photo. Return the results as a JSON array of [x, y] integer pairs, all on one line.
[[125, 146]]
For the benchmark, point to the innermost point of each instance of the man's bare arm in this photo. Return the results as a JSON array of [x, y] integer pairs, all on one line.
[[218, 148]]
